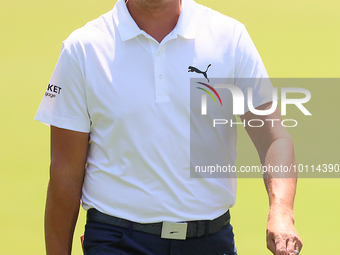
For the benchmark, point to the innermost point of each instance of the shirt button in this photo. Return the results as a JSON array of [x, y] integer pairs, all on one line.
[[159, 53], [160, 76]]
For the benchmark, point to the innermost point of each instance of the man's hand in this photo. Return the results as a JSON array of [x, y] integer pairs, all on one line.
[[282, 237], [275, 148]]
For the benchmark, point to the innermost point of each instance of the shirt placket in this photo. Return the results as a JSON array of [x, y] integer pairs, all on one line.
[[160, 66]]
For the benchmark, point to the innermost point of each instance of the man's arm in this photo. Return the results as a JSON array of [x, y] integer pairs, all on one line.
[[275, 147], [68, 159]]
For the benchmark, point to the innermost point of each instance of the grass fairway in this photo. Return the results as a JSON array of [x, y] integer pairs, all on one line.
[[294, 38]]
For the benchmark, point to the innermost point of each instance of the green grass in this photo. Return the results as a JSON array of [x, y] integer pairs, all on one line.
[[294, 38]]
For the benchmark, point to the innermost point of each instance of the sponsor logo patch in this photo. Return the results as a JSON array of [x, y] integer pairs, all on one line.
[[53, 91]]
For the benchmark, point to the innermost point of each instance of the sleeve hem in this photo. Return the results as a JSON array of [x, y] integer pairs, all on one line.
[[62, 122], [257, 104]]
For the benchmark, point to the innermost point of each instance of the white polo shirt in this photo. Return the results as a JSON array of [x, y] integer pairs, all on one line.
[[132, 95]]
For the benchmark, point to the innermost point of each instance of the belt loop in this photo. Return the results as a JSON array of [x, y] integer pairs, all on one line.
[[206, 229], [197, 228]]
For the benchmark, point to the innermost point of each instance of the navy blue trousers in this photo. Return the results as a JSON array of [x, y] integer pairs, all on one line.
[[105, 239]]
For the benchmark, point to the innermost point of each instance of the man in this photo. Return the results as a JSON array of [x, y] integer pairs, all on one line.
[[118, 106]]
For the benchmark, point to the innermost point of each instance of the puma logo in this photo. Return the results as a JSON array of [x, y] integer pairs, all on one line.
[[194, 69]]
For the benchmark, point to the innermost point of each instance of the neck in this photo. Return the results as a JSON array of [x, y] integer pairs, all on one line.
[[156, 17]]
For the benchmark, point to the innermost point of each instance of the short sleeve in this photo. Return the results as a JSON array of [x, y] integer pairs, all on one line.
[[64, 102], [250, 71], [248, 63]]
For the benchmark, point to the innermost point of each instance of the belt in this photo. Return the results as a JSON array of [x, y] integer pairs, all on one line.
[[193, 229]]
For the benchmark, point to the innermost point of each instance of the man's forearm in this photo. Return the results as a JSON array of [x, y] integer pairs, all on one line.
[[281, 186], [282, 237], [62, 207], [281, 193]]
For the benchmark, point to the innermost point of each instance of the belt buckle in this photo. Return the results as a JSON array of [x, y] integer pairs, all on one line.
[[173, 230]]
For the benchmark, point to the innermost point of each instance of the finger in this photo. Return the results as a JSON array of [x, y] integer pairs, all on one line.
[[281, 248], [271, 245], [298, 245], [291, 246]]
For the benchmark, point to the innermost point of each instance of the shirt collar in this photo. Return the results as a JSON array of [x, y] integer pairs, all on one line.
[[128, 28], [186, 24]]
